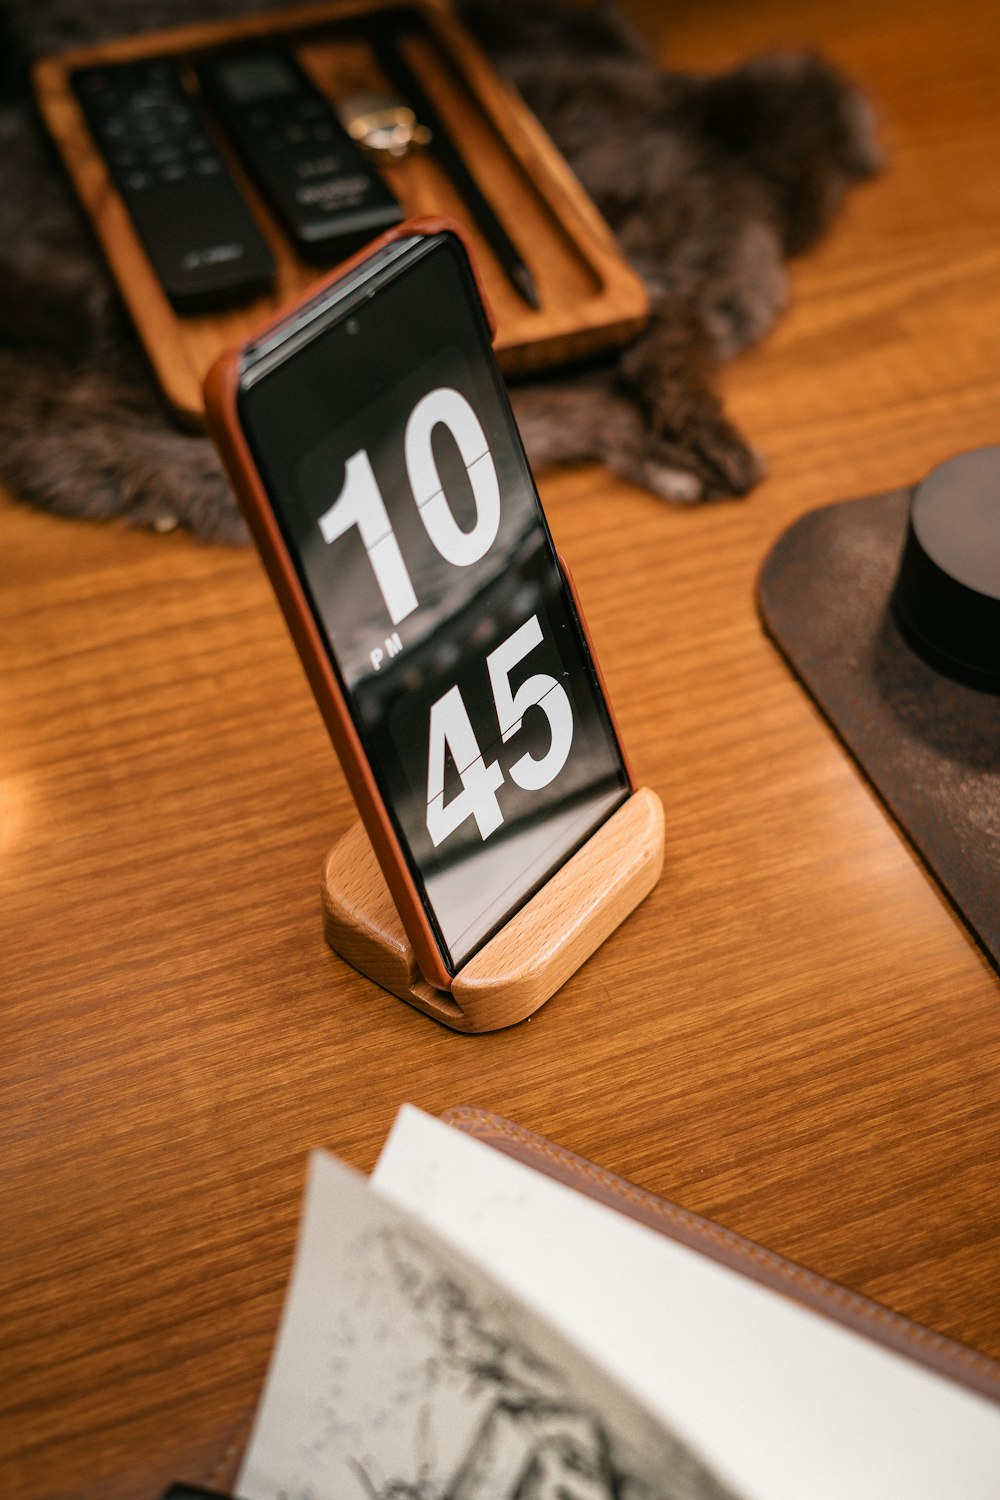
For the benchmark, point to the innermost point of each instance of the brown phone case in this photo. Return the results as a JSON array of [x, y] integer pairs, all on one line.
[[221, 392]]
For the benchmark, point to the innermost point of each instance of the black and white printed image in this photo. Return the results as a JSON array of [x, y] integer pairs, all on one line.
[[403, 1372]]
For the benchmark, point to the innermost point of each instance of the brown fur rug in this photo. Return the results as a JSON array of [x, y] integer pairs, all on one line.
[[710, 184]]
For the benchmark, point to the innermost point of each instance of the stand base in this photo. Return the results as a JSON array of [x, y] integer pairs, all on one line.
[[529, 959]]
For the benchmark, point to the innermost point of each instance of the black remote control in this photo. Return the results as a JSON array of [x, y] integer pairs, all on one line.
[[192, 219], [326, 194]]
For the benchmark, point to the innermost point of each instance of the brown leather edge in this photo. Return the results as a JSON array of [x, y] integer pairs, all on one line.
[[934, 1350]]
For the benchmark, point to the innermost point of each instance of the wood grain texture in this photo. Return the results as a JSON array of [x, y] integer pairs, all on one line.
[[360, 919], [792, 1035], [590, 298], [533, 955]]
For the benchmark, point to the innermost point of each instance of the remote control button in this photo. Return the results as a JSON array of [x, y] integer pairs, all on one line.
[[317, 166]]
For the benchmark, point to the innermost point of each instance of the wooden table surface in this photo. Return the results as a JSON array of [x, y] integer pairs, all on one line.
[[794, 1034]]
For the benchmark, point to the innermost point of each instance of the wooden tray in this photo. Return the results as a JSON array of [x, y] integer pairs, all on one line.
[[590, 299]]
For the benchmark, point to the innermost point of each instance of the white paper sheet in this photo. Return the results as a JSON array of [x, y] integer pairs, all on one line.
[[401, 1372], [787, 1404]]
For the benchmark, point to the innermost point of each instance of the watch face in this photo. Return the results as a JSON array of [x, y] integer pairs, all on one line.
[[386, 444]]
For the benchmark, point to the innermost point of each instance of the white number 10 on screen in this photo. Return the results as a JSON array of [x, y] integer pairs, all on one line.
[[360, 501], [361, 504]]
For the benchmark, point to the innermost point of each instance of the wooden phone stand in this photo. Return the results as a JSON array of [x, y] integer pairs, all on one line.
[[530, 958]]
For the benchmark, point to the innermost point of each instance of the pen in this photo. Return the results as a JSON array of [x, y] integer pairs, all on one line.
[[385, 45]]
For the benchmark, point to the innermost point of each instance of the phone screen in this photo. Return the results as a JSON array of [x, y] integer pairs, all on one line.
[[383, 435]]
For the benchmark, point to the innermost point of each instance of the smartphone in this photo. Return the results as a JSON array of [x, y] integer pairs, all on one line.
[[369, 436]]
